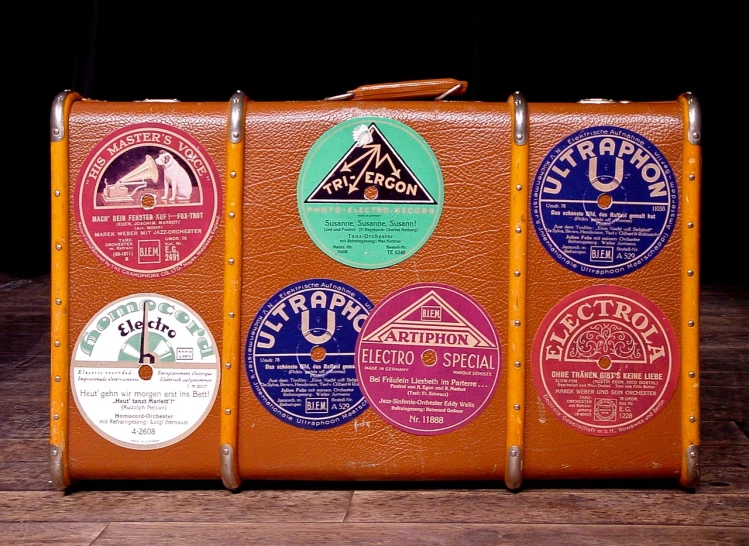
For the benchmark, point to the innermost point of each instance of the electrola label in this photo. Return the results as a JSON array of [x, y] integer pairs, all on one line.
[[145, 371], [428, 359], [370, 192], [604, 202], [605, 360], [299, 353], [148, 200]]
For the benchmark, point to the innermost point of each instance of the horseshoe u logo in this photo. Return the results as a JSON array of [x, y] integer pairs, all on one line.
[[312, 338], [598, 182]]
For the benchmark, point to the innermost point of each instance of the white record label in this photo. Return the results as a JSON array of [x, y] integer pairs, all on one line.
[[145, 371]]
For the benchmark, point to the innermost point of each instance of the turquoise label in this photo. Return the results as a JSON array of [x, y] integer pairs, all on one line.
[[370, 192]]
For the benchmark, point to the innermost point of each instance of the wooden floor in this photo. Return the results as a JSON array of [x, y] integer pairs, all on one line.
[[33, 512]]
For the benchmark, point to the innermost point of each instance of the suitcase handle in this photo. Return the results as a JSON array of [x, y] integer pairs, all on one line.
[[437, 89]]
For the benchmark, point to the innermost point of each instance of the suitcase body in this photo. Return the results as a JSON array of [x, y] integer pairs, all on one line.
[[375, 288]]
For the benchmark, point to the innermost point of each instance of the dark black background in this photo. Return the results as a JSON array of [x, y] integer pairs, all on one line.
[[206, 51]]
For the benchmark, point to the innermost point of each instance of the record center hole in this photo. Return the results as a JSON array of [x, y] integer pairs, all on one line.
[[604, 362], [604, 201], [429, 357], [145, 372], [317, 353], [371, 193], [148, 201]]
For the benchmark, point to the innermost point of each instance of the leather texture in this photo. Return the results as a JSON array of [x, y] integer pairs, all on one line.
[[93, 285], [468, 250], [553, 450]]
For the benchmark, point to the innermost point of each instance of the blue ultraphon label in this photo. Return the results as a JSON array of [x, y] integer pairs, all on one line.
[[299, 354], [604, 201]]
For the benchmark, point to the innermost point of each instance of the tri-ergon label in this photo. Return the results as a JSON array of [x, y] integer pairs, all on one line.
[[604, 201], [145, 371], [370, 192], [605, 360], [299, 353], [428, 359]]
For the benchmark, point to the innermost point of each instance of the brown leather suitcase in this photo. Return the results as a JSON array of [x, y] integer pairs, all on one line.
[[376, 286]]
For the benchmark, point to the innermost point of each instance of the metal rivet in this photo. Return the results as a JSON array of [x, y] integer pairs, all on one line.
[[233, 174], [690, 225], [513, 452], [228, 365], [517, 407], [235, 134], [519, 136], [55, 417], [690, 272], [695, 135], [54, 452], [692, 418], [227, 411], [231, 314], [56, 131], [231, 261], [517, 364], [692, 177], [58, 301], [690, 323], [58, 246], [57, 343], [57, 193], [225, 451], [517, 273], [692, 454], [57, 379], [231, 215], [518, 230], [516, 323], [692, 374], [519, 187]]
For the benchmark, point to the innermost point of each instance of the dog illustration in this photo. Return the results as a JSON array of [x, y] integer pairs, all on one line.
[[175, 177]]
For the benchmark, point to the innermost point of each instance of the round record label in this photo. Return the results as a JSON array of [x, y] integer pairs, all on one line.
[[604, 201], [428, 359], [148, 200], [145, 371], [605, 360], [299, 353], [370, 192]]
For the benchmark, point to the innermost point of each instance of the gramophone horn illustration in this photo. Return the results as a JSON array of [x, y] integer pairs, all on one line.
[[123, 190]]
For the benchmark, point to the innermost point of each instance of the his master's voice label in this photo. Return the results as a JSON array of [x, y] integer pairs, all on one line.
[[604, 201], [428, 359], [145, 371], [148, 200], [299, 354]]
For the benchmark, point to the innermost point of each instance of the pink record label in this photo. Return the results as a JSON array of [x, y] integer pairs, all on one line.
[[605, 360], [428, 359], [148, 200]]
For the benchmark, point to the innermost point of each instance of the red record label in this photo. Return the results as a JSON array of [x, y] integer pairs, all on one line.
[[605, 360], [148, 200]]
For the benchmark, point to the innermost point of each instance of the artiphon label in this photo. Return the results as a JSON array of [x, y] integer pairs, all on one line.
[[370, 192], [299, 353], [428, 359], [145, 371], [605, 360], [604, 201], [148, 200]]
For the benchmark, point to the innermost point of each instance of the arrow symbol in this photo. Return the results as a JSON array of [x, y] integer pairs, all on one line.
[[373, 150]]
